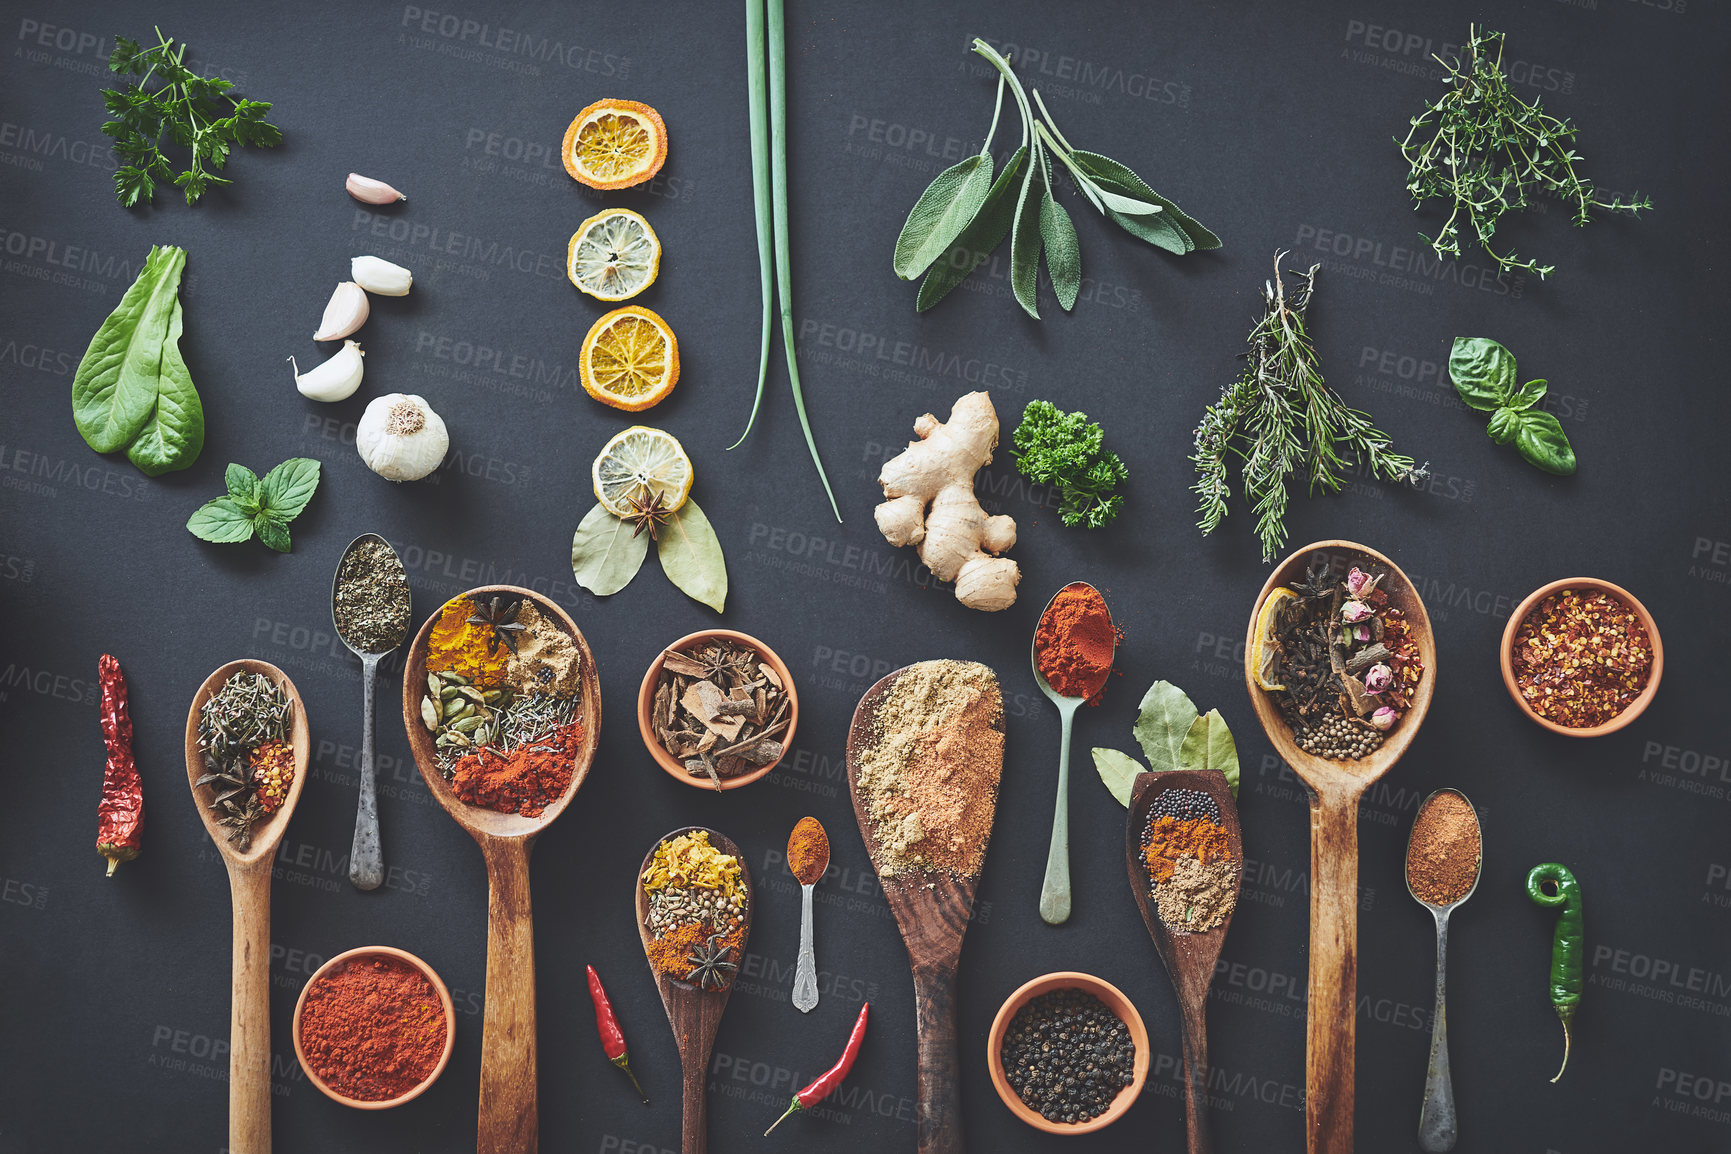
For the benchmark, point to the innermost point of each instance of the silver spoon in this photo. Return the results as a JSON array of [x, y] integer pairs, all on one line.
[[805, 970], [1436, 1117], [1055, 892], [366, 857]]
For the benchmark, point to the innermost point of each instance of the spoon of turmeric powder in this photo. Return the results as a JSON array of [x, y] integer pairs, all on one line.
[[808, 858]]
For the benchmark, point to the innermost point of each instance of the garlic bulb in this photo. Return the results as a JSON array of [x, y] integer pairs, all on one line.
[[346, 312], [369, 191], [400, 437], [336, 379], [380, 277]]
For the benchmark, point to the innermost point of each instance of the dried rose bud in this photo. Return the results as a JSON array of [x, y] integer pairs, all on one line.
[[1354, 611], [1384, 718], [1378, 679], [1361, 632], [1356, 581]]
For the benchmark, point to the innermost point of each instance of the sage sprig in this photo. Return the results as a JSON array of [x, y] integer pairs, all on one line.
[[964, 214], [1483, 373]]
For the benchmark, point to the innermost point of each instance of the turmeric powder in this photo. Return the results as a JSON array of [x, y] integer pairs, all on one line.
[[458, 645], [1171, 839]]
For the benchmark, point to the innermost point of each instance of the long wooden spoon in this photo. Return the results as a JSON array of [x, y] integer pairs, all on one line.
[[694, 1013], [1335, 790], [510, 1106], [933, 908], [1189, 958], [249, 874]]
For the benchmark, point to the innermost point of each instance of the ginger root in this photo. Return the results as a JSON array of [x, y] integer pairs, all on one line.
[[930, 503]]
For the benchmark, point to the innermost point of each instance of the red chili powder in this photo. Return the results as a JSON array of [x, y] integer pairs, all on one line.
[[523, 781], [1074, 642], [373, 1028]]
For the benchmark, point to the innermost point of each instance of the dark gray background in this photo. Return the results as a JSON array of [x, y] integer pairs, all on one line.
[[1271, 126]]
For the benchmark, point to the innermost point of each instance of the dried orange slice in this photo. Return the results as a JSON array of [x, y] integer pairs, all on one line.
[[630, 359], [614, 255], [615, 144]]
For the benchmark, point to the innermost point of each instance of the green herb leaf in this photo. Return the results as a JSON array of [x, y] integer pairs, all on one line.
[[1110, 174], [1063, 252], [115, 388], [1025, 239], [1529, 394], [287, 488], [1505, 425], [1208, 744], [605, 553], [272, 531], [1543, 443], [941, 213], [1065, 450], [1118, 771], [242, 486], [174, 435], [1128, 205], [691, 556], [221, 521], [983, 234], [1162, 724], [1483, 372]]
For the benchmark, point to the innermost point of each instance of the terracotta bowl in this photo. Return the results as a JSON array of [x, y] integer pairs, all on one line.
[[444, 998], [646, 699], [1115, 1001], [1506, 654]]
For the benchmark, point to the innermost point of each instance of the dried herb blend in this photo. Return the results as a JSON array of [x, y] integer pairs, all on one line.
[[1192, 874], [720, 709], [1067, 1056], [243, 733], [697, 907], [1443, 854], [373, 1028], [1581, 657], [371, 604]]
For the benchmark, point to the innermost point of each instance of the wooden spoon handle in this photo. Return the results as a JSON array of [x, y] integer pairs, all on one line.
[[509, 1118], [1332, 1027], [940, 1088], [249, 1065], [1196, 1074], [694, 1093]]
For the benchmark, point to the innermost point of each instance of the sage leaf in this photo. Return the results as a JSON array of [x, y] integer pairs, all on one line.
[[605, 556], [1543, 443], [1162, 723], [272, 532], [1209, 745], [287, 488], [691, 556], [115, 388], [174, 435], [242, 486], [1025, 240], [941, 213], [1118, 771], [1063, 253], [983, 234], [1529, 394], [1483, 372], [1110, 174], [221, 521], [1129, 206]]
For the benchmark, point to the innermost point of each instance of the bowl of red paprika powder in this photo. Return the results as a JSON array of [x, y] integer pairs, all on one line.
[[373, 1027], [1582, 657], [781, 732]]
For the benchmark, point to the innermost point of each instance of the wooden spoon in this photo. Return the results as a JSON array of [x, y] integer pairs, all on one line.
[[933, 908], [249, 874], [1189, 958], [509, 1115], [1335, 790], [694, 1013]]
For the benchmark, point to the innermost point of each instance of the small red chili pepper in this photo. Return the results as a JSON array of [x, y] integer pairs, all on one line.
[[612, 1037], [828, 1081], [120, 815]]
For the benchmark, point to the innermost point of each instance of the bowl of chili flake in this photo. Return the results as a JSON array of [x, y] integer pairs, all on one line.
[[1582, 657], [373, 1027]]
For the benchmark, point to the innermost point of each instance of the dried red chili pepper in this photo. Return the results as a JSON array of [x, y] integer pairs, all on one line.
[[612, 1037], [831, 1078], [120, 815]]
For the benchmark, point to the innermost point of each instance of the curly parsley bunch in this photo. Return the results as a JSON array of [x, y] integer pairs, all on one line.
[[1065, 450]]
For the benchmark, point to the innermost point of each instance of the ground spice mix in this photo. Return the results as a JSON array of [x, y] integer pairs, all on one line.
[[1442, 857], [373, 1028], [1581, 657]]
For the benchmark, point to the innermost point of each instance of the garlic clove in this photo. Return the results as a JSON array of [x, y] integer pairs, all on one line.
[[369, 191], [381, 277], [400, 438], [336, 379], [346, 312]]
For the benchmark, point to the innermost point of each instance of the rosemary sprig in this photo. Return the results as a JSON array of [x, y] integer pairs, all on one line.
[[1488, 150], [1260, 416]]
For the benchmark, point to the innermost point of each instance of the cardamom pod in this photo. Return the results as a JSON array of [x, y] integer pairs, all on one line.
[[433, 684], [447, 693], [456, 707], [430, 714], [467, 724], [472, 694]]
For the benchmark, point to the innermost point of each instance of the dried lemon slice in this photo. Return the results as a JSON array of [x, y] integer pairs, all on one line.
[[614, 255], [615, 144], [642, 462], [630, 359], [1262, 660]]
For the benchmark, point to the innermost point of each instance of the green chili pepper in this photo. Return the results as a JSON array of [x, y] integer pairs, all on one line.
[[1553, 885]]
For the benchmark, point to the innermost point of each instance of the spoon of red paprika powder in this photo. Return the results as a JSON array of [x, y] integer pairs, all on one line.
[[807, 858], [1072, 658]]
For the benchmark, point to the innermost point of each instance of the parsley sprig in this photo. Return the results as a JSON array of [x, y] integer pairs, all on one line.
[[192, 111], [1062, 449]]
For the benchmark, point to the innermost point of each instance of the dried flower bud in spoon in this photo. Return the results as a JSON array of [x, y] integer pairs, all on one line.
[[370, 191], [346, 312], [336, 379], [380, 276]]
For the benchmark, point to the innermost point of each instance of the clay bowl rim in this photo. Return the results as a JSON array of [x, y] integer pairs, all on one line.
[[1116, 1001], [1636, 707], [646, 699], [444, 999]]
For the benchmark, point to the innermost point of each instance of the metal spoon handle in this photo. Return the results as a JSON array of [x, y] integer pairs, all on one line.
[[366, 859], [1055, 893], [805, 972], [1436, 1118]]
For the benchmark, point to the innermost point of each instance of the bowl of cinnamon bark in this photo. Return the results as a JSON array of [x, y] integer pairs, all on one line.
[[717, 710]]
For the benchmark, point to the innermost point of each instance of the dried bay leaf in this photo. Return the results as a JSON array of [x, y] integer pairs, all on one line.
[[1118, 771], [691, 556], [1162, 723], [604, 554], [1209, 745]]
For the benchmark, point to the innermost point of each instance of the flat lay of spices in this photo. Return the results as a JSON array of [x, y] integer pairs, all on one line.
[[1443, 854], [720, 709], [929, 776], [1075, 641], [1192, 874], [373, 1028], [808, 851], [120, 813], [242, 731], [697, 907], [1581, 657], [1067, 1056], [371, 604]]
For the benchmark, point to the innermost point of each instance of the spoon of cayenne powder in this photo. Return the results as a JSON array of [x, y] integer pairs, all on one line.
[[808, 858]]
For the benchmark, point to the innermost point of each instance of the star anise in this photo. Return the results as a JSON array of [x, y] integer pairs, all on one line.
[[648, 513], [1317, 583], [712, 970], [501, 618]]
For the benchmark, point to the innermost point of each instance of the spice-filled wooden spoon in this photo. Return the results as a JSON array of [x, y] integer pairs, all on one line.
[[369, 597], [696, 1000], [808, 858], [948, 717], [1075, 621], [1335, 789], [509, 1120], [249, 873], [1190, 958], [1444, 853]]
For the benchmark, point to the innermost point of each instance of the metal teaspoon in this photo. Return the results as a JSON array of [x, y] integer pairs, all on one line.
[[805, 970]]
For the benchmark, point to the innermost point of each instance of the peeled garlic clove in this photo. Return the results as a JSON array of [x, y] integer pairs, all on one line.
[[400, 437], [336, 379], [346, 312], [369, 191], [380, 276]]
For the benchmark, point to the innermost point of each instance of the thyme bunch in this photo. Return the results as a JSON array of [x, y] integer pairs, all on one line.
[[1281, 418], [1487, 150]]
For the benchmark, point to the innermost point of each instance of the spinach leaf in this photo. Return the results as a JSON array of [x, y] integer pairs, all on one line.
[[114, 391], [983, 234], [253, 506], [1543, 443], [1483, 372], [174, 435]]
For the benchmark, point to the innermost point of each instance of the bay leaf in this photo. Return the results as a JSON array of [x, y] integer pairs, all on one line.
[[1118, 771], [691, 556], [1208, 745], [604, 554], [983, 234], [1162, 723]]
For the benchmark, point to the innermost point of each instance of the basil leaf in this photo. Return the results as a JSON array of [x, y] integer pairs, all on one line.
[[221, 521], [286, 489], [1063, 253], [272, 532], [1109, 174], [691, 556], [1505, 424], [1118, 771], [1529, 394], [1209, 745], [242, 485], [983, 234], [1025, 240], [941, 213], [1483, 372], [174, 435], [605, 555], [1162, 724], [1543, 443], [115, 388]]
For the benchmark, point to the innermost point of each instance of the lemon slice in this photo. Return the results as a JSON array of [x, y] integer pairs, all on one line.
[[614, 255], [1263, 659], [615, 144], [641, 462], [630, 359]]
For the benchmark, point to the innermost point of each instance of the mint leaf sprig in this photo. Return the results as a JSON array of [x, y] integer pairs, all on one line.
[[264, 507]]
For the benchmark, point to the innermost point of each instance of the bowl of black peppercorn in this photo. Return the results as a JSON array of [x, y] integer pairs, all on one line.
[[1068, 1053]]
